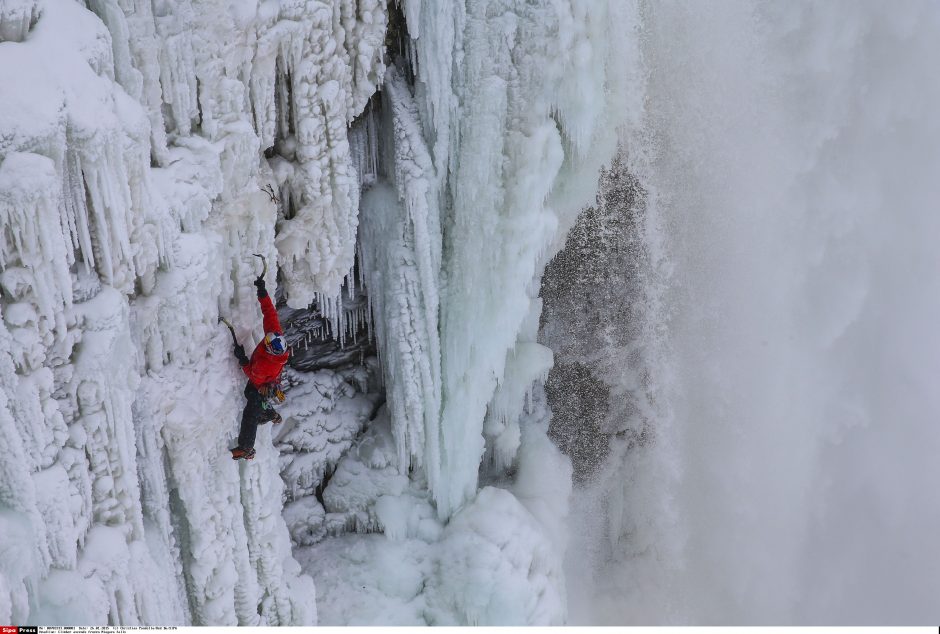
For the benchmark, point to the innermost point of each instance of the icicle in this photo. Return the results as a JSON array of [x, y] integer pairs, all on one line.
[[32, 234], [17, 18], [351, 283], [75, 199]]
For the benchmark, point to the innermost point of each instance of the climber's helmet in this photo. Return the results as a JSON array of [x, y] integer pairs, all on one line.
[[274, 342]]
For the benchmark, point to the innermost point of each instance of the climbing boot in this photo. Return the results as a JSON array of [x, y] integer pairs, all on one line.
[[238, 453], [277, 420]]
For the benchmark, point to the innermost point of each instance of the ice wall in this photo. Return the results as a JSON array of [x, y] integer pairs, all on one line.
[[486, 143], [517, 100], [401, 259], [131, 175], [788, 155]]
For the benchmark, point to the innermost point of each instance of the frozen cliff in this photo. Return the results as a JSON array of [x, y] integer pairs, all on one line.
[[606, 311], [133, 143], [410, 181]]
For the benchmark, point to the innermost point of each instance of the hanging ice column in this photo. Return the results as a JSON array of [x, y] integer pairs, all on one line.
[[535, 86], [400, 234]]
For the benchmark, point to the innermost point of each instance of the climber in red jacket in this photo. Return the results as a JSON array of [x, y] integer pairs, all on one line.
[[263, 371]]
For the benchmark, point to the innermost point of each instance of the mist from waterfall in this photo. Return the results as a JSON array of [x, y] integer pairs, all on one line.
[[788, 154]]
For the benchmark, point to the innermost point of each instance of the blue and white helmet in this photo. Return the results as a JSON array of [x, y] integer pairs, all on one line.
[[275, 343]]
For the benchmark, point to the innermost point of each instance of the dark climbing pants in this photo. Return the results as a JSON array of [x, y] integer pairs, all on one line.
[[253, 415]]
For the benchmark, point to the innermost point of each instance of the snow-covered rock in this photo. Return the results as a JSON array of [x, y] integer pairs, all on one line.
[[496, 566], [322, 417]]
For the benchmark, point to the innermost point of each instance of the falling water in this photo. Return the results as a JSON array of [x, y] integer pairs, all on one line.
[[789, 155]]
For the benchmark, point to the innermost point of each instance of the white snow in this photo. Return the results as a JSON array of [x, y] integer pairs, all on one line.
[[497, 566], [322, 418], [367, 473]]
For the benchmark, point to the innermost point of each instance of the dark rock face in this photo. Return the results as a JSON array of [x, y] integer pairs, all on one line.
[[593, 319], [579, 403], [314, 346]]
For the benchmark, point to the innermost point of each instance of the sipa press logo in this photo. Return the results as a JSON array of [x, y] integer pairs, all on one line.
[[9, 629]]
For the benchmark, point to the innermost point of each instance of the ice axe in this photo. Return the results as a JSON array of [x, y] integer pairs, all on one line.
[[264, 262], [267, 189], [231, 329]]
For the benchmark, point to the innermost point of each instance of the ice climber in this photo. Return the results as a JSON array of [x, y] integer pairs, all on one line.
[[263, 371]]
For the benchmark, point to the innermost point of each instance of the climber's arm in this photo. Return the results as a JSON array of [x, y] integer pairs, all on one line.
[[271, 322]]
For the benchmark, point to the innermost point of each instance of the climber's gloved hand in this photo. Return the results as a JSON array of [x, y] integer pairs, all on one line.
[[240, 354], [262, 291]]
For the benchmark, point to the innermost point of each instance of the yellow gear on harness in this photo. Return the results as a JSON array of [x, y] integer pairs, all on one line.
[[272, 392]]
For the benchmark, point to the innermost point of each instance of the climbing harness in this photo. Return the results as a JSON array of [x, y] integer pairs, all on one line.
[[273, 394]]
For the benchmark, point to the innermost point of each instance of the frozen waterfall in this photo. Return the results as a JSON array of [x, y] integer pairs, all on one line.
[[148, 151], [131, 201], [600, 311]]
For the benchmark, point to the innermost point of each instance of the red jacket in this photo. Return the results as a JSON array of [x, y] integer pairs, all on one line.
[[264, 367]]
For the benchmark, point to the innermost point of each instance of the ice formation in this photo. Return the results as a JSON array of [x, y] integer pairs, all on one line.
[[509, 172], [401, 259], [410, 167], [131, 177], [148, 151]]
